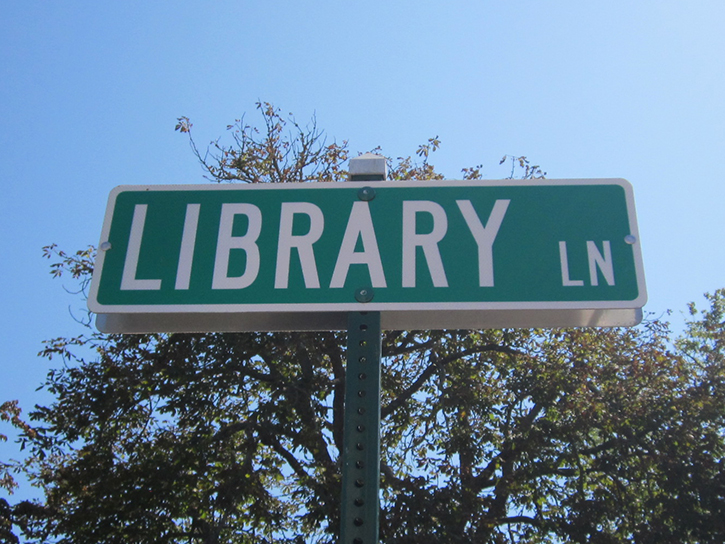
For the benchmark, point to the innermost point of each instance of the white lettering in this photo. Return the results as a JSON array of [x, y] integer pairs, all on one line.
[[130, 266], [226, 242], [604, 264], [302, 242], [429, 242], [360, 224], [564, 260], [188, 241], [484, 236]]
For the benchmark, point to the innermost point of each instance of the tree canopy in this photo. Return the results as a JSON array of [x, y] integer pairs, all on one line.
[[605, 435]]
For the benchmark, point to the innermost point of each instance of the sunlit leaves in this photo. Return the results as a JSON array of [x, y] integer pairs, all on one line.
[[529, 171], [283, 151]]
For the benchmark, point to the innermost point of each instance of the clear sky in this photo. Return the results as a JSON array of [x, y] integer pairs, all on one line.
[[90, 93]]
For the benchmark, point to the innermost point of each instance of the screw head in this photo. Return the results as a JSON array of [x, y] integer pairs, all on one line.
[[365, 294], [105, 246], [630, 239], [366, 194]]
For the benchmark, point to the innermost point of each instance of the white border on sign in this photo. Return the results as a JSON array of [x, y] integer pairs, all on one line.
[[639, 302]]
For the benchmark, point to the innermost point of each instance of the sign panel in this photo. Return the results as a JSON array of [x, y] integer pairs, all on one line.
[[434, 254]]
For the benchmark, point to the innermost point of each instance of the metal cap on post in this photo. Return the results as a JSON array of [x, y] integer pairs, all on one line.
[[368, 167], [360, 509]]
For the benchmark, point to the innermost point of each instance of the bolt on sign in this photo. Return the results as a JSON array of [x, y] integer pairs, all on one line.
[[427, 255]]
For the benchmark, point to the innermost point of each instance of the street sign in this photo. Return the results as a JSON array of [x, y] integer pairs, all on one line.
[[426, 254]]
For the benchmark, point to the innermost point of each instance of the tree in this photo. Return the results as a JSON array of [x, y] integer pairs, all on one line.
[[514, 435]]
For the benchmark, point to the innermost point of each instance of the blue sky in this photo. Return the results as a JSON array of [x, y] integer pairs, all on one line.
[[90, 93]]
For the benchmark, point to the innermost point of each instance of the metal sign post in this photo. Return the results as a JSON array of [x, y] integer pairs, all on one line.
[[359, 523], [361, 454]]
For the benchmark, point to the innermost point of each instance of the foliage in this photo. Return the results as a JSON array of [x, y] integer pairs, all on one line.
[[518, 435], [270, 156], [10, 412], [530, 171]]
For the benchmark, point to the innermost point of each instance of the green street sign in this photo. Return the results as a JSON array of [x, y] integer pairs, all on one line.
[[434, 254]]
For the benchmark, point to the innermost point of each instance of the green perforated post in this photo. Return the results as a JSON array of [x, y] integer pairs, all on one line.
[[361, 454], [361, 441]]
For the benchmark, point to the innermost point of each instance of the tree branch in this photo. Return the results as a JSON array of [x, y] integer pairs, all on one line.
[[271, 440], [513, 520], [338, 399], [431, 369]]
